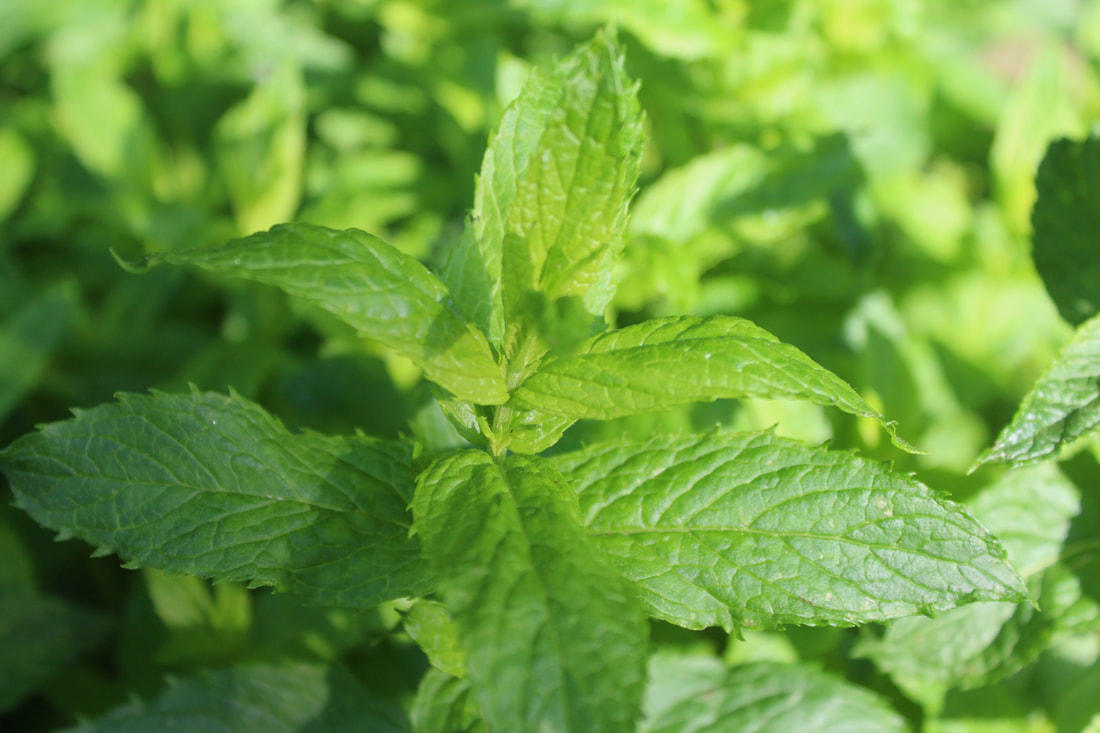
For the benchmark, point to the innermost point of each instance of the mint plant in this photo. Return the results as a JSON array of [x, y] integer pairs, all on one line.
[[535, 573]]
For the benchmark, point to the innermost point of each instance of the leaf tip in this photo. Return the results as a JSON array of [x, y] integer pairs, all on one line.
[[134, 267]]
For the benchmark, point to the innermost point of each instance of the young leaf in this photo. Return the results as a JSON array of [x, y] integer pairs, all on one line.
[[554, 640], [209, 485], [1062, 406], [258, 699], [669, 361], [757, 530], [432, 628], [550, 208], [384, 294], [1065, 220], [701, 695]]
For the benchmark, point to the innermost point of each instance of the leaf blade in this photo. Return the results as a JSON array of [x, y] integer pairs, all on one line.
[[210, 485], [511, 554], [1063, 406], [386, 295], [670, 361], [757, 530]]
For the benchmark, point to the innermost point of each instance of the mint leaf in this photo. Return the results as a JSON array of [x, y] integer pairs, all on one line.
[[510, 551], [1030, 511], [258, 699], [550, 208], [209, 485], [699, 694], [444, 704], [1063, 405], [384, 294], [669, 361], [1065, 220], [756, 530]]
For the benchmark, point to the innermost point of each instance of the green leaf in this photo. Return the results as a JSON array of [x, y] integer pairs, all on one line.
[[260, 146], [701, 695], [39, 637], [19, 163], [1063, 405], [444, 704], [1030, 511], [510, 551], [1065, 220], [550, 208], [756, 530], [27, 338], [209, 485], [669, 361], [258, 699], [430, 626], [386, 295]]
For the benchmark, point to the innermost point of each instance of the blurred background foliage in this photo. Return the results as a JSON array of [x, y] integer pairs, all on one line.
[[854, 175]]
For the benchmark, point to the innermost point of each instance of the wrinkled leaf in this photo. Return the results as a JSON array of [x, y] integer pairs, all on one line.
[[209, 485], [758, 531], [386, 295], [507, 544], [444, 704], [666, 362], [1062, 406]]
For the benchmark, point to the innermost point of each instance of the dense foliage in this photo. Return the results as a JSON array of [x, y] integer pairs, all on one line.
[[549, 365]]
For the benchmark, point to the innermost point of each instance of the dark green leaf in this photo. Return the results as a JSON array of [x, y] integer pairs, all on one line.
[[258, 699], [1066, 224]]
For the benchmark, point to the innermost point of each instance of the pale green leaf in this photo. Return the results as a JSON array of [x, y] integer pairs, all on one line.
[[756, 530], [258, 699], [686, 29], [19, 162], [1065, 220], [444, 704], [669, 361], [209, 485], [700, 695], [1063, 405], [509, 549], [430, 626], [260, 145], [386, 295], [550, 208]]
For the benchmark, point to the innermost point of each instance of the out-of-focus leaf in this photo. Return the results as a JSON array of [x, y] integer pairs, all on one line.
[[260, 150], [1066, 220], [39, 636], [699, 694], [27, 338], [291, 698], [444, 704], [19, 161]]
